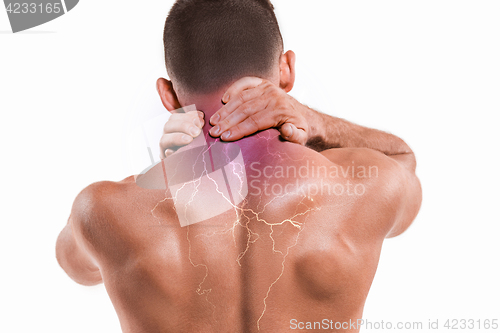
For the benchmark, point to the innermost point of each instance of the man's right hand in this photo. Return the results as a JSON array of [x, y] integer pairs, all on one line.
[[180, 130]]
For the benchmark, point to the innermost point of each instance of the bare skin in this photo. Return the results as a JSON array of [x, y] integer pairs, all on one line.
[[298, 254]]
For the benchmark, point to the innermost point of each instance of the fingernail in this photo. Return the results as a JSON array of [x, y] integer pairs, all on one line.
[[226, 135], [168, 152], [194, 131], [186, 139], [215, 119], [225, 98], [197, 122], [215, 130]]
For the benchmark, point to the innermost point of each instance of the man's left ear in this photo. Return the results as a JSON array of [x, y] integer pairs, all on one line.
[[287, 71]]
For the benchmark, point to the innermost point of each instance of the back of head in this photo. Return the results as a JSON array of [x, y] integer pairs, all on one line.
[[211, 43]]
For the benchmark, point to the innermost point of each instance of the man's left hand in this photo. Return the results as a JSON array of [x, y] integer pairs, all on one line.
[[253, 104]]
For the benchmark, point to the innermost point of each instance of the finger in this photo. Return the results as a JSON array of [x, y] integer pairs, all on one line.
[[240, 85], [287, 131], [240, 92], [241, 113], [242, 98], [249, 126], [166, 153], [189, 123], [291, 133], [201, 118], [198, 118], [174, 141]]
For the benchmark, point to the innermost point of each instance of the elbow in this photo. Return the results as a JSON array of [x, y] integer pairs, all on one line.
[[73, 264], [81, 275], [409, 206], [88, 279]]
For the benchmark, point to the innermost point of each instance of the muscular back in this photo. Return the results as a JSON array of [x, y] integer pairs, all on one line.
[[305, 252]]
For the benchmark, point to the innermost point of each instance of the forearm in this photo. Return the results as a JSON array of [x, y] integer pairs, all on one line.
[[326, 132]]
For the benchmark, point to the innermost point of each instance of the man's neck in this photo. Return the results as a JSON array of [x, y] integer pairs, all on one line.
[[210, 104], [250, 142]]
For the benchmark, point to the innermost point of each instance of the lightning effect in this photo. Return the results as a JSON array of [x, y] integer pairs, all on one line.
[[244, 215]]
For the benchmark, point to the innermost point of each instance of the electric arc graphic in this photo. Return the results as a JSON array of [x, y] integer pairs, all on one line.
[[24, 15], [205, 180]]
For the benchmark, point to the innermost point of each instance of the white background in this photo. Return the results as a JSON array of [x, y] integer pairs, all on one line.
[[427, 71]]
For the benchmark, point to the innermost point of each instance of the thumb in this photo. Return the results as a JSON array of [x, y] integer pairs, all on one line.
[[291, 133]]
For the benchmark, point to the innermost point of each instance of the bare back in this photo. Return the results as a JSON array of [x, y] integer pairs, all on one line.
[[303, 246]]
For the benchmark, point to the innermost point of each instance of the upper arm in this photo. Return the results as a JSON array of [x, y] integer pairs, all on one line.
[[74, 249], [393, 196], [408, 196]]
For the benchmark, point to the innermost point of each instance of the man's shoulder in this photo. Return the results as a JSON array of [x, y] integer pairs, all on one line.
[[369, 182], [366, 165], [96, 204], [102, 193], [359, 155]]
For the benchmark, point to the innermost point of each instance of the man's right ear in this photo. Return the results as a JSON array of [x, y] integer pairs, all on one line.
[[167, 95]]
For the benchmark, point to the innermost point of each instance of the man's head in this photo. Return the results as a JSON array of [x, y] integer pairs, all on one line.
[[210, 44]]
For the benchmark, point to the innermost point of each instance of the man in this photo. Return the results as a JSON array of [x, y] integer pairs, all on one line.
[[303, 244]]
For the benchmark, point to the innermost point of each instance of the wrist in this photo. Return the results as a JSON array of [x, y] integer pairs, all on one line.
[[315, 124]]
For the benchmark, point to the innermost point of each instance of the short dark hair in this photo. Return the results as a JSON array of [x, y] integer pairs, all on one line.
[[211, 43]]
